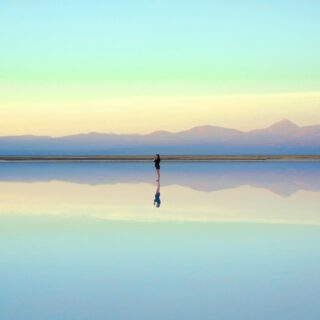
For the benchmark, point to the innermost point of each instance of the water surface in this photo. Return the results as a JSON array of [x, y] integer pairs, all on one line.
[[228, 241]]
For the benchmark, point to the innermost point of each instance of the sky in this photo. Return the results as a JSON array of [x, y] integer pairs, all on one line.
[[143, 65]]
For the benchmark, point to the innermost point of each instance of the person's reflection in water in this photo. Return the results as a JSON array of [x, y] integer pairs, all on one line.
[[157, 201]]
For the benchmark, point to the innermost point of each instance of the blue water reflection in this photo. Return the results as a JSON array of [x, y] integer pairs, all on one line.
[[229, 241]]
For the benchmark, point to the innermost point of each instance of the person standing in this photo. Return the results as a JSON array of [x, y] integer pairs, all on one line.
[[157, 161]]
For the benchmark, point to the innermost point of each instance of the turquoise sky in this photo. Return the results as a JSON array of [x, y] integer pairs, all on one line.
[[228, 46], [73, 66]]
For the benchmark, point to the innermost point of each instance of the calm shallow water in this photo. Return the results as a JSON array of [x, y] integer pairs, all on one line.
[[229, 241]]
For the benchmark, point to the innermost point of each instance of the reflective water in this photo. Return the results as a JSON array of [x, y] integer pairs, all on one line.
[[212, 241]]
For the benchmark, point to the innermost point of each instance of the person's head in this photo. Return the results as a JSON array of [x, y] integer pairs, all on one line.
[[158, 156]]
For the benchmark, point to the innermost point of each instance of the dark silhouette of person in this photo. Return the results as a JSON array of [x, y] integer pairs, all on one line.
[[157, 161]]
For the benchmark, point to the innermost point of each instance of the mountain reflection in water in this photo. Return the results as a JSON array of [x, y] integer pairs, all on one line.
[[276, 192]]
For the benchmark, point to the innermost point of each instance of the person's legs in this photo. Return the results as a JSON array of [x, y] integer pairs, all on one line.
[[158, 174]]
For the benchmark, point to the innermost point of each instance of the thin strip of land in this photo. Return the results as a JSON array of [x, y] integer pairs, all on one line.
[[165, 158]]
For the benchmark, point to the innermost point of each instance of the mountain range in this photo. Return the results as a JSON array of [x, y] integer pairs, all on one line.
[[283, 137]]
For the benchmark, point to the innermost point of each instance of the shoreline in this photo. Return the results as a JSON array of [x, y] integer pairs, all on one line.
[[173, 158]]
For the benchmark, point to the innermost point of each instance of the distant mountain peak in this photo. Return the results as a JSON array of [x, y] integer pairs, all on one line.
[[202, 129], [284, 124], [208, 129]]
